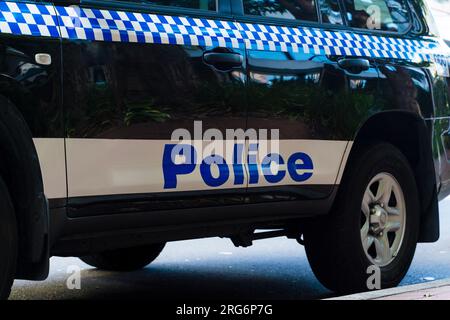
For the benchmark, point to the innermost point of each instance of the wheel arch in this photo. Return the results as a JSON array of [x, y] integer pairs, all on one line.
[[20, 169], [409, 133]]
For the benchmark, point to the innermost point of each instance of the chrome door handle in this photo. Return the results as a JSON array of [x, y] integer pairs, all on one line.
[[43, 59]]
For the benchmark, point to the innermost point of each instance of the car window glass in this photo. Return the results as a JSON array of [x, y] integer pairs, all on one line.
[[193, 4], [287, 9], [388, 15], [330, 11]]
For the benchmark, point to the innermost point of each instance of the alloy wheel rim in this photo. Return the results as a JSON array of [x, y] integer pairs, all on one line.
[[383, 219]]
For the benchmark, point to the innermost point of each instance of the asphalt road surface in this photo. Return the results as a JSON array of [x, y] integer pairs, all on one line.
[[215, 269]]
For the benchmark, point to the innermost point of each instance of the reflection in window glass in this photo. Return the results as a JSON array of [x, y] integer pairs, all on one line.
[[389, 15], [277, 55], [194, 4], [330, 11], [287, 9]]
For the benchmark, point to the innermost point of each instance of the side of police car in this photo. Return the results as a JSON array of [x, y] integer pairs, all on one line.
[[351, 96]]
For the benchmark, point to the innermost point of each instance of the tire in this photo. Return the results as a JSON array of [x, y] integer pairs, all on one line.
[[334, 243], [127, 259], [8, 242]]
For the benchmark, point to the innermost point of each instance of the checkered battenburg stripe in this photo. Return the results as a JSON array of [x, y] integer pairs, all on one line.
[[28, 19], [120, 26]]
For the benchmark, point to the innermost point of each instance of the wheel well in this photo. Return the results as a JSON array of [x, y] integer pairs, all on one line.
[[20, 170], [410, 134]]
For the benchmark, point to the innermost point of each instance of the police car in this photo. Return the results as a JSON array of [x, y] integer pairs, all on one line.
[[126, 124]]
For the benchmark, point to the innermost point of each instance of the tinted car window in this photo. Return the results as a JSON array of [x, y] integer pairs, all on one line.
[[389, 15], [330, 11], [194, 4], [287, 9]]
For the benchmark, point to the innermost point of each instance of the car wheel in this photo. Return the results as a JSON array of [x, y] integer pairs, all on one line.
[[374, 222], [8, 242], [127, 259]]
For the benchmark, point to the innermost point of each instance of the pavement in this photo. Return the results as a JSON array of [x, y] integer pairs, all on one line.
[[435, 290], [213, 268]]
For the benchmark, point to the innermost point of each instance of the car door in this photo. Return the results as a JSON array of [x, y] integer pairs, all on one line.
[[136, 73], [304, 82], [30, 77]]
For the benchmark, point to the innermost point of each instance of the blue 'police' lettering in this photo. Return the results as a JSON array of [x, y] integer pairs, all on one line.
[[170, 169], [205, 170], [238, 168], [253, 163], [267, 172], [299, 166]]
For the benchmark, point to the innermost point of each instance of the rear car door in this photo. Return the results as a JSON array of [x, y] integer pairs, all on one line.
[[307, 81], [135, 72]]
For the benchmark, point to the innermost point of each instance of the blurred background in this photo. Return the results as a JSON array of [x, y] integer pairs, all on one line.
[[441, 13]]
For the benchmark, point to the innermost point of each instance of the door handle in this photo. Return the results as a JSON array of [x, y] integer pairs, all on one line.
[[223, 61], [43, 59], [354, 65]]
